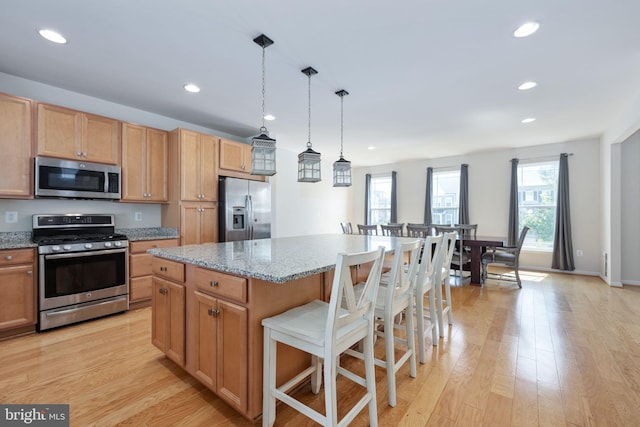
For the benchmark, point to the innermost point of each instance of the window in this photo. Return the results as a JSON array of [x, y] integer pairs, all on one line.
[[380, 200], [445, 197], [537, 187]]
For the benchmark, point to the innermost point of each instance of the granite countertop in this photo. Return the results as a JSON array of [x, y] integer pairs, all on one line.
[[277, 260], [154, 233], [16, 240], [23, 239]]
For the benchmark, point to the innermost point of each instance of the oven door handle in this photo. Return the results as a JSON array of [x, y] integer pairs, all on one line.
[[88, 253]]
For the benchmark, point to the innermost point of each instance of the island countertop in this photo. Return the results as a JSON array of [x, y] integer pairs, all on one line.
[[277, 260]]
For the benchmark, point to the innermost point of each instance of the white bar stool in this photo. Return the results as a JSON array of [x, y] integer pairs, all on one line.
[[325, 331]]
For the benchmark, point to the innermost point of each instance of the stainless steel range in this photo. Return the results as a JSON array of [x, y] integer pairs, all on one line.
[[83, 268]]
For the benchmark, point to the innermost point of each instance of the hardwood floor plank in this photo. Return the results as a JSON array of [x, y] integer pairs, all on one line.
[[564, 350]]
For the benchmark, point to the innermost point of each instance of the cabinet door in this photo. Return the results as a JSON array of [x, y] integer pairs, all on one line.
[[17, 296], [168, 312], [190, 224], [140, 288], [190, 166], [232, 156], [156, 165], [100, 139], [59, 132], [175, 350], [209, 223], [134, 154], [232, 354], [16, 146], [208, 178], [206, 311]]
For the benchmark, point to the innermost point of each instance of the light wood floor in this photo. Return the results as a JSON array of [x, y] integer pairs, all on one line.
[[562, 351]]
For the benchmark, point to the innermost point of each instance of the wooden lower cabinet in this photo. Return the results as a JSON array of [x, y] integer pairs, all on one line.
[[17, 291], [223, 330], [219, 350], [168, 319], [140, 270]]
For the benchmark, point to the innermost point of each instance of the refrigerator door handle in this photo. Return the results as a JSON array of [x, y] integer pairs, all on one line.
[[249, 205]]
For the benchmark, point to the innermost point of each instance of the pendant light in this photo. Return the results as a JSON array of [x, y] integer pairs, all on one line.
[[342, 167], [309, 160], [263, 148]]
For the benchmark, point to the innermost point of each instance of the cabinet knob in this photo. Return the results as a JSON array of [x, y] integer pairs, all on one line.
[[163, 291], [213, 283], [84, 154], [213, 312], [79, 153], [8, 257], [29, 273]]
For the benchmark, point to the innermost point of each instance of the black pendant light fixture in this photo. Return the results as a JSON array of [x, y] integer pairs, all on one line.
[[263, 148], [342, 167], [309, 160]]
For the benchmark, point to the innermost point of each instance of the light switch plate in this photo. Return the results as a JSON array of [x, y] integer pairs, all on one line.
[[10, 217], [138, 216]]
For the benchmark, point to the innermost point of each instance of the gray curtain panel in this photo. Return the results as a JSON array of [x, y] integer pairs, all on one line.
[[394, 198], [427, 198], [513, 204], [562, 242], [367, 187], [463, 213]]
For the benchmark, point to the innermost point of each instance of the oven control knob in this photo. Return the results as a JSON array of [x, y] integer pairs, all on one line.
[[107, 244], [67, 247], [117, 244], [55, 248], [88, 245]]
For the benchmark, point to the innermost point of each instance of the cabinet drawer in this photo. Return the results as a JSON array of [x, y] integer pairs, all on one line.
[[140, 265], [141, 246], [17, 256], [221, 284], [140, 288], [170, 269]]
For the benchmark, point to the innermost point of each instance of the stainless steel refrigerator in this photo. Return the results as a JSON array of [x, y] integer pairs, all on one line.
[[245, 209]]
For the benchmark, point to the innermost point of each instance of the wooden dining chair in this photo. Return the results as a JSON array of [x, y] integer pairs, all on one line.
[[346, 228], [418, 230], [325, 330], [506, 255], [390, 229], [371, 230]]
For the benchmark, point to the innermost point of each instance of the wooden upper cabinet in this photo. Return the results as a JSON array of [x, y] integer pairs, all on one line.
[[16, 145], [235, 156], [198, 166], [144, 163], [71, 134]]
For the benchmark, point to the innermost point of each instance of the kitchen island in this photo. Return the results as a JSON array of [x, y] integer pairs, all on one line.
[[209, 301]]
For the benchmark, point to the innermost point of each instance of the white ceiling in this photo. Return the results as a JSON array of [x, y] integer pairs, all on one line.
[[426, 78]]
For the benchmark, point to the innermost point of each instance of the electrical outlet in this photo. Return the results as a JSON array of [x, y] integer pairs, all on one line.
[[138, 216], [10, 217], [579, 252]]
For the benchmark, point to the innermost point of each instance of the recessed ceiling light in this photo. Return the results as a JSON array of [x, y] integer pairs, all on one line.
[[526, 29], [52, 36], [529, 120], [527, 85], [371, 148], [269, 117], [190, 87]]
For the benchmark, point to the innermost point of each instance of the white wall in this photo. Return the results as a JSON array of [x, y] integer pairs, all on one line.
[[306, 208], [489, 177], [630, 193]]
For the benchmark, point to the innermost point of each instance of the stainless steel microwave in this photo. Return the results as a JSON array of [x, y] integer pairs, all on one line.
[[77, 180]]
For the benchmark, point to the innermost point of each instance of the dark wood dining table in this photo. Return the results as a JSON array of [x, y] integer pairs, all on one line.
[[478, 246]]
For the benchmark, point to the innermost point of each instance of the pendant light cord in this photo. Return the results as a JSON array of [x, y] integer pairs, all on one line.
[[263, 89], [341, 124], [309, 130]]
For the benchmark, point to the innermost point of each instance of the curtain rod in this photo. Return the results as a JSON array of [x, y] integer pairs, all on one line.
[[528, 159]]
